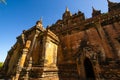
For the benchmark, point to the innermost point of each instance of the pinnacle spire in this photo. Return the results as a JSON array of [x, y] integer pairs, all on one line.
[[39, 24], [67, 9], [93, 8], [79, 12], [40, 20], [108, 0], [95, 12]]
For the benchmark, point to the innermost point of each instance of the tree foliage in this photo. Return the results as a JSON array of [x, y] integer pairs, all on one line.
[[1, 64]]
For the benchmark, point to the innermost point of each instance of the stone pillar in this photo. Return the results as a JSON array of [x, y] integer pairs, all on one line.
[[17, 71], [28, 69], [22, 59], [80, 68], [23, 38], [98, 71], [117, 48], [106, 49], [26, 76], [34, 39], [50, 52], [50, 55]]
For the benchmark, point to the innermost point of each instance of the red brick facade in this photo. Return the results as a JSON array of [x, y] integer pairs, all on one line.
[[88, 49]]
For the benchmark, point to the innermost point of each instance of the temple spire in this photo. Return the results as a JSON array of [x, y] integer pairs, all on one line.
[[93, 9], [67, 10], [108, 1], [40, 20], [95, 12], [113, 6], [67, 13], [39, 24]]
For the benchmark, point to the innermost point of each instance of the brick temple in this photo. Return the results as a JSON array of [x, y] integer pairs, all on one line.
[[74, 48]]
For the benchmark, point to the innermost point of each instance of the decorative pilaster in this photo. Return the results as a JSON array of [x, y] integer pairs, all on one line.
[[106, 49], [22, 60], [28, 69], [50, 69]]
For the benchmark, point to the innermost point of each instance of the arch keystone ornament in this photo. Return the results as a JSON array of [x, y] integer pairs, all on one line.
[[87, 61]]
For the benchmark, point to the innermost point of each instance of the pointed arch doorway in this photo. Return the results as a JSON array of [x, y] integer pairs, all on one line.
[[89, 72]]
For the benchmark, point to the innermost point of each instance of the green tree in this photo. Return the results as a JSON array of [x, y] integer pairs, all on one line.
[[1, 64]]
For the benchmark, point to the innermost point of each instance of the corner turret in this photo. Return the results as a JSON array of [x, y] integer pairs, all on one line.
[[113, 6], [39, 24], [67, 14], [81, 15], [95, 12]]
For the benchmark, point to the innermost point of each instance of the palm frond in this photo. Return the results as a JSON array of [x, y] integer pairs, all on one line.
[[3, 1]]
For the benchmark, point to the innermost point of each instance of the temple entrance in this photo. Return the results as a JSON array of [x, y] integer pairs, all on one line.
[[89, 72]]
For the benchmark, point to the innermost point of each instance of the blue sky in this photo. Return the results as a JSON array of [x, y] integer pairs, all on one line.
[[19, 15]]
